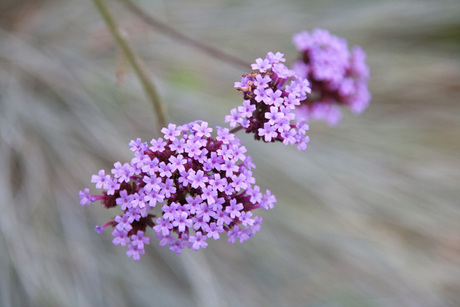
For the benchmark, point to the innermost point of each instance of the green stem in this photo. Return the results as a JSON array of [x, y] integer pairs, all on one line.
[[134, 61]]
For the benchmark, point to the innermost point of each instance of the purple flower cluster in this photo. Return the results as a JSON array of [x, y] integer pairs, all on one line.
[[189, 185], [337, 76], [200, 185], [269, 102]]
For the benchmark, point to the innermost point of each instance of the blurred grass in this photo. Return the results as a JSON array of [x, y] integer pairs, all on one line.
[[367, 216]]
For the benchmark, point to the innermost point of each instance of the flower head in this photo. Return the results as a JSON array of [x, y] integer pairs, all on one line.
[[271, 93], [186, 194], [337, 76]]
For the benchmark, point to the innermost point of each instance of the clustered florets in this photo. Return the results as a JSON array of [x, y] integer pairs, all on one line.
[[337, 76], [201, 186], [269, 103], [190, 186]]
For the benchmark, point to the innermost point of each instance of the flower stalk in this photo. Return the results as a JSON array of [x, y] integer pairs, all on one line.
[[135, 62]]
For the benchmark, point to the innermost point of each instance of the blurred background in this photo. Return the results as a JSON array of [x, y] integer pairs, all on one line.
[[369, 215]]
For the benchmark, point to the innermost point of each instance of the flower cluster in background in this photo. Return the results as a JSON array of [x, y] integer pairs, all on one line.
[[337, 76], [200, 185], [269, 102]]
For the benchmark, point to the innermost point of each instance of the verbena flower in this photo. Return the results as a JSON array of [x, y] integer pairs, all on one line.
[[271, 93], [337, 76], [188, 187]]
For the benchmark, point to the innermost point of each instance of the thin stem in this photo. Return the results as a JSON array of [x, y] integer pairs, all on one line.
[[236, 129], [134, 61], [166, 30]]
